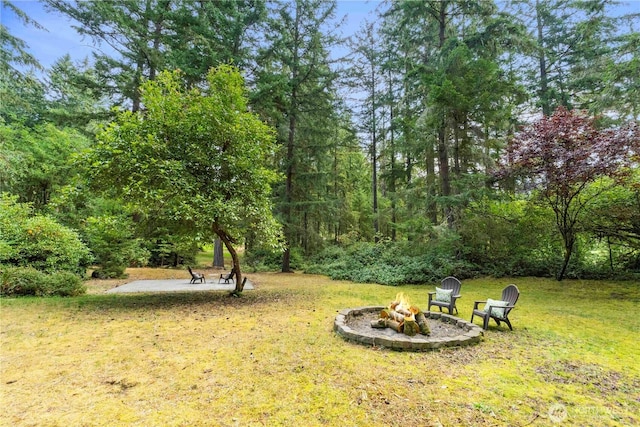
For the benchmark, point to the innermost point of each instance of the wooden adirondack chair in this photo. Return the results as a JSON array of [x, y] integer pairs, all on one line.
[[195, 276], [227, 277], [497, 310], [449, 284]]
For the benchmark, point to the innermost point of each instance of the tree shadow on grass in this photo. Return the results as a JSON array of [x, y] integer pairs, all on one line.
[[180, 300]]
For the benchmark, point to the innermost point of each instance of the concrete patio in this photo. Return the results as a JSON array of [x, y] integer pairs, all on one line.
[[176, 285]]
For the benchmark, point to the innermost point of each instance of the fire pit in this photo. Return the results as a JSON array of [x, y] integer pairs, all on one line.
[[355, 325]]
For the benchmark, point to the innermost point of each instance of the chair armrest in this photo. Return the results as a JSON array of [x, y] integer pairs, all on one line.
[[505, 307], [476, 303], [456, 296], [432, 293]]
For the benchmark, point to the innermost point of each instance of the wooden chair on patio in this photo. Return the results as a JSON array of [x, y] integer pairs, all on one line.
[[446, 295], [195, 276], [497, 310], [227, 277]]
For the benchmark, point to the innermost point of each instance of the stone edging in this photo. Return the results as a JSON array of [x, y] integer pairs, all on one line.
[[469, 332]]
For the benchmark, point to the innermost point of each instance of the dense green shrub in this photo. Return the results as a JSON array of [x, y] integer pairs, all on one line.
[[21, 281], [63, 284], [495, 238], [392, 263], [24, 281], [510, 238], [111, 239], [49, 246], [266, 259], [38, 241]]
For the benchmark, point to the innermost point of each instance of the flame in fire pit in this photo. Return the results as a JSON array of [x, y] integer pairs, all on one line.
[[402, 304], [403, 317]]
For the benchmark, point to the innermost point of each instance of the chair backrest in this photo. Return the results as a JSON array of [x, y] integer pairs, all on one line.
[[451, 283], [511, 294]]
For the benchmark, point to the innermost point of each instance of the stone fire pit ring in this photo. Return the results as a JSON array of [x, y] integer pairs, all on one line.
[[353, 324]]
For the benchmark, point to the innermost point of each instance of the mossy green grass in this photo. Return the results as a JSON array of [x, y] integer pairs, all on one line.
[[271, 358]]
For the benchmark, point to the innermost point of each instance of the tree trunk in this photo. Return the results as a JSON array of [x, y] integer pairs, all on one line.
[[569, 242], [443, 164], [286, 258], [443, 155], [430, 163], [544, 89], [218, 255], [228, 243], [135, 96], [610, 253], [392, 158], [374, 154], [565, 264], [293, 111]]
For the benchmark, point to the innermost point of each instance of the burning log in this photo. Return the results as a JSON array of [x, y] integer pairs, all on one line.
[[421, 319], [394, 315], [379, 323], [404, 311], [411, 327], [403, 317], [396, 326]]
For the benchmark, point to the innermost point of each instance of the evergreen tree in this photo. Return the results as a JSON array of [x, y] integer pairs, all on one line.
[[295, 92], [577, 51], [76, 96], [132, 34], [450, 69], [21, 92], [366, 74], [141, 38]]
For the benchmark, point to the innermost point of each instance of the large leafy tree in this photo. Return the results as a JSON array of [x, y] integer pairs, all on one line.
[[615, 221], [562, 155], [195, 154], [34, 162]]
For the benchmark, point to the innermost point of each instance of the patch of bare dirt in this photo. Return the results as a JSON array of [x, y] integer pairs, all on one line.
[[573, 372]]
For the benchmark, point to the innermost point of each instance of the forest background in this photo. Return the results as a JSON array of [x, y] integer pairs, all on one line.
[[388, 154]]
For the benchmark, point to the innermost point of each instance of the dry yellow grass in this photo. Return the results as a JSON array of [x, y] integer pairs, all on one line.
[[270, 358]]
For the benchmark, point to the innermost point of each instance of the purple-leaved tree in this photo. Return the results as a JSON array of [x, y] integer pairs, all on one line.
[[561, 155]]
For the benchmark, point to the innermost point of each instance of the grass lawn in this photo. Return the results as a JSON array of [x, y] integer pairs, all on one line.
[[270, 358]]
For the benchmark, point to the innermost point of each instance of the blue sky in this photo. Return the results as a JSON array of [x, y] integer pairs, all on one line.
[[60, 38]]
